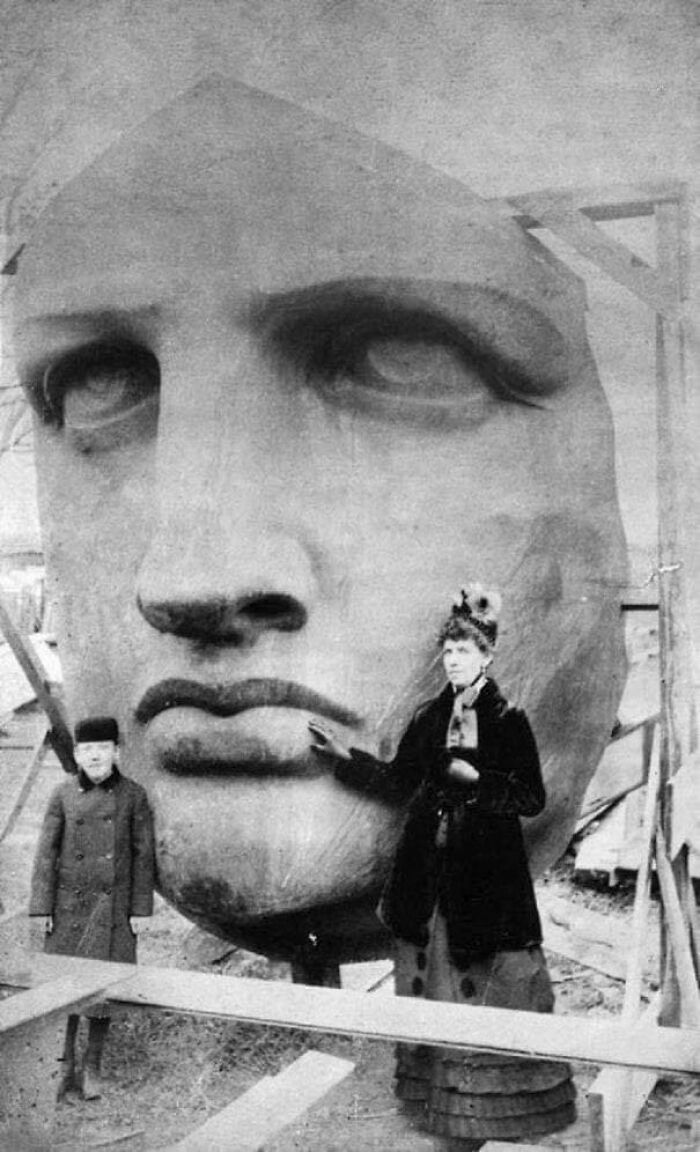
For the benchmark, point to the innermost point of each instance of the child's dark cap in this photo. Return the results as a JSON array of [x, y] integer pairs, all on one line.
[[95, 729]]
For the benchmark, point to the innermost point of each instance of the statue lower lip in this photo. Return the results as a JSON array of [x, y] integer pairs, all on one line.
[[263, 741]]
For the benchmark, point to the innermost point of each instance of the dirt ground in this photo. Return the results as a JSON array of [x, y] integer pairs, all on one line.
[[165, 1074]]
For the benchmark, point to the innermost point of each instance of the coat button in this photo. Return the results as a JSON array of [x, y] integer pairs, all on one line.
[[108, 855], [79, 856], [108, 891]]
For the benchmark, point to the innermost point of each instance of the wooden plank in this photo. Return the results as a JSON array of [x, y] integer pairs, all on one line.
[[25, 784], [622, 769], [366, 976], [397, 1018], [261, 1113], [557, 213], [604, 1095], [69, 991], [322, 1070], [633, 987], [60, 733], [609, 1120], [600, 850], [587, 953], [15, 689], [679, 938], [674, 645], [581, 935], [500, 1146], [605, 202], [622, 1095]]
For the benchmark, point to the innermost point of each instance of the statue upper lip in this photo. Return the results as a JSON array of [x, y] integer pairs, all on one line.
[[239, 696]]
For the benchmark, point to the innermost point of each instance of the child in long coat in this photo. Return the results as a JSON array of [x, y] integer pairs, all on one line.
[[93, 876], [459, 899]]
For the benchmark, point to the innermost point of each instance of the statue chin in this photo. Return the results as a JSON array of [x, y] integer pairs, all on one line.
[[285, 866], [322, 934]]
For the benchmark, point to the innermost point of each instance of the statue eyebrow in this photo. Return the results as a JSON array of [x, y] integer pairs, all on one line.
[[302, 323], [110, 319]]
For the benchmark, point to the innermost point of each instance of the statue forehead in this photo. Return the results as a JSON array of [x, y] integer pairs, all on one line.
[[232, 179]]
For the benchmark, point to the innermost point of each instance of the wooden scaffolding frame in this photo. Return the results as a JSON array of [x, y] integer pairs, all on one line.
[[618, 1096], [636, 1048]]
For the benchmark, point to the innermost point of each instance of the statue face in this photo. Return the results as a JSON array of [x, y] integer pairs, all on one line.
[[292, 391]]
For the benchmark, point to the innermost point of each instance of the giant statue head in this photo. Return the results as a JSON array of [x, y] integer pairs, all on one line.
[[292, 388]]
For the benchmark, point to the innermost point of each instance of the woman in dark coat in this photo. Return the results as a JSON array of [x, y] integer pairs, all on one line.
[[459, 898], [93, 874]]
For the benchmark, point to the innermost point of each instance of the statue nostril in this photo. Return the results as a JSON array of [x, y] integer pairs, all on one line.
[[273, 610]]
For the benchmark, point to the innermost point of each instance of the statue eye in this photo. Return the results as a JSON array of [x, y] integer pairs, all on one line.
[[426, 370], [99, 385]]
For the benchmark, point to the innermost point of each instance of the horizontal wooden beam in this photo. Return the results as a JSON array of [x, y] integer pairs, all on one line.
[[503, 1146], [70, 990], [611, 202], [397, 1018]]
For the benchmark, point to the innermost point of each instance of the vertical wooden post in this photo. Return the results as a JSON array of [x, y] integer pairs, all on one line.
[[674, 645]]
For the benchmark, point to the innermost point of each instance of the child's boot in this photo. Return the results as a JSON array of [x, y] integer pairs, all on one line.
[[92, 1066], [68, 1081]]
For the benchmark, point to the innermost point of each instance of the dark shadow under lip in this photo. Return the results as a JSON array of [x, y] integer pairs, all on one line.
[[240, 696]]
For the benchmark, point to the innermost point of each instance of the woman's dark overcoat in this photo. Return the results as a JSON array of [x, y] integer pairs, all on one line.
[[480, 878], [94, 867]]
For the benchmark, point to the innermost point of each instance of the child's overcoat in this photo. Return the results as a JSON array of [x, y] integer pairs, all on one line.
[[94, 867]]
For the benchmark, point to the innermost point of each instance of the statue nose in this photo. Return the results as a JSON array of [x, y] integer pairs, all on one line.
[[238, 619], [213, 587]]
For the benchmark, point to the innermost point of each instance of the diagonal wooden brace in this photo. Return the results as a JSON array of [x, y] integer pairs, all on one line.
[[556, 211], [59, 732]]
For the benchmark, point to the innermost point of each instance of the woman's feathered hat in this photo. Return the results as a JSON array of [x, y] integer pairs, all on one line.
[[479, 609]]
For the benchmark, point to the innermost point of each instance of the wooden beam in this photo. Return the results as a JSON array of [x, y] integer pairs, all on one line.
[[261, 1113], [30, 774], [70, 990], [674, 643], [59, 734], [613, 1106], [635, 971], [588, 953], [500, 1146], [558, 214], [679, 938], [611, 202], [619, 1094], [307, 1079], [395, 1018]]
